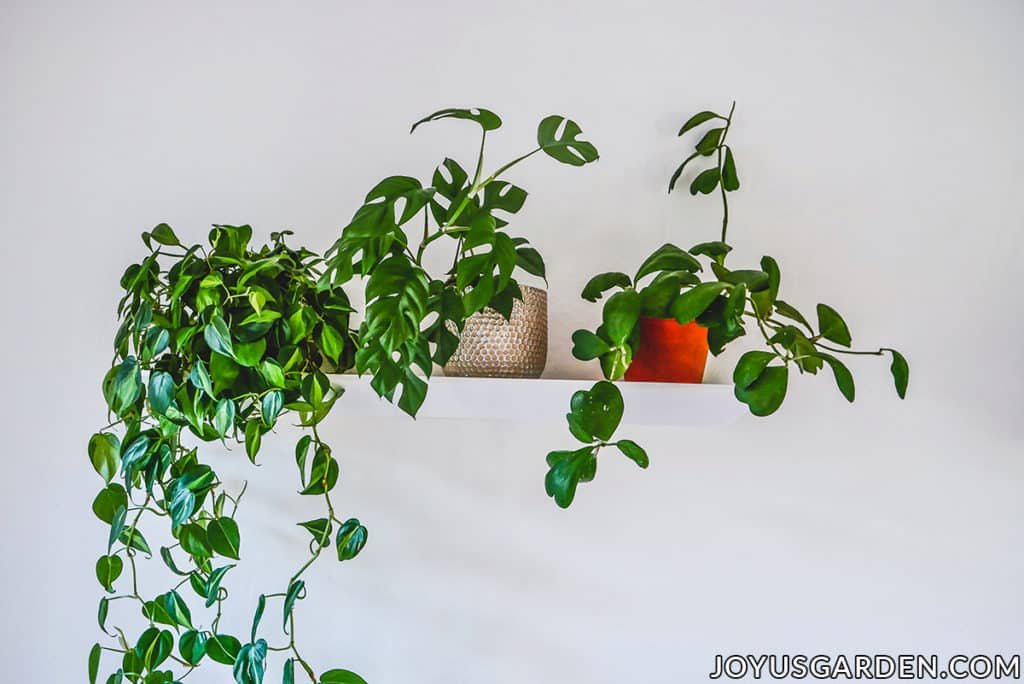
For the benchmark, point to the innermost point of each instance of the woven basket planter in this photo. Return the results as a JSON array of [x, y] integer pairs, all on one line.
[[491, 347]]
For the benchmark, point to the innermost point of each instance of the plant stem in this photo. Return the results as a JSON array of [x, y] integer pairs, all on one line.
[[721, 183]]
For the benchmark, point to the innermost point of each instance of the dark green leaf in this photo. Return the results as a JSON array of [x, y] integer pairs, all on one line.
[[106, 503], [715, 250], [181, 504], [104, 451], [730, 179], [108, 569], [320, 529], [566, 470], [94, 662], [709, 141], [295, 592], [177, 609], [250, 663], [116, 526], [341, 677], [211, 589], [765, 395], [750, 366], [668, 257], [844, 378], [558, 137], [791, 313], [602, 282], [351, 539], [832, 326], [223, 536], [487, 119], [705, 182], [697, 119], [900, 372], [620, 315], [588, 346], [161, 391], [270, 406], [200, 378], [692, 303], [323, 474], [530, 260], [165, 235], [253, 439], [192, 646], [261, 605], [223, 648], [224, 416], [634, 452], [598, 409], [101, 613]]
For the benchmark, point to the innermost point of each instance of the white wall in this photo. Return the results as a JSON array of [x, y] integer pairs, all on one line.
[[881, 157]]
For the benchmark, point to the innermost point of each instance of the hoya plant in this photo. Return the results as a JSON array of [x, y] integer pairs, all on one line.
[[218, 343], [699, 285], [413, 317]]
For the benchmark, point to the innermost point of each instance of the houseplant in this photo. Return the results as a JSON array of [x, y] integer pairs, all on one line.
[[413, 317], [216, 343], [723, 304]]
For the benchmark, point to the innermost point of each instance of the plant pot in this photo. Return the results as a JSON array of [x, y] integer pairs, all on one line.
[[669, 352], [491, 347]]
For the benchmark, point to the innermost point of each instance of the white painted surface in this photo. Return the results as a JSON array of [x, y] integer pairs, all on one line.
[[881, 158], [546, 400]]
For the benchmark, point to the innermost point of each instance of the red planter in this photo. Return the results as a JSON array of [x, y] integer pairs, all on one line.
[[669, 352]]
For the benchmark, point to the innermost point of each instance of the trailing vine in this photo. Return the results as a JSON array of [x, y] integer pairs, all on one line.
[[216, 343]]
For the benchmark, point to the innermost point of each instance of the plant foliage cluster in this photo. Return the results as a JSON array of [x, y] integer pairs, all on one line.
[[675, 283]]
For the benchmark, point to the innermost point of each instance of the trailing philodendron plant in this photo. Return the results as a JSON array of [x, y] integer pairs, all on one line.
[[412, 316], [672, 283], [217, 343]]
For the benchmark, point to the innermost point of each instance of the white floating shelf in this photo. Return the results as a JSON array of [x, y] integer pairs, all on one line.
[[547, 400]]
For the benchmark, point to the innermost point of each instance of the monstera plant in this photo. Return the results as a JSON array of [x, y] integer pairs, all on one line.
[[412, 316], [673, 283], [216, 344]]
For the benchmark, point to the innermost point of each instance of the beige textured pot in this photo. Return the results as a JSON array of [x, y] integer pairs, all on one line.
[[491, 347]]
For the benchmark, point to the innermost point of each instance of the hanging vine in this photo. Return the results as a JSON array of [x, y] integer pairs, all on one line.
[[216, 343]]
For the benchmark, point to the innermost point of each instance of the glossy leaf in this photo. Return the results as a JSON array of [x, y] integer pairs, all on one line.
[[108, 569], [223, 536], [588, 346], [251, 663], [218, 337], [705, 182], [320, 529], [224, 416], [765, 395], [832, 326], [750, 366], [161, 391], [602, 282], [559, 138], [295, 591], [341, 677], [633, 452], [211, 589], [351, 539], [697, 119], [695, 301], [620, 315], [843, 376], [730, 179], [900, 372], [598, 409], [487, 119], [223, 648], [668, 257], [104, 452], [192, 646], [94, 662]]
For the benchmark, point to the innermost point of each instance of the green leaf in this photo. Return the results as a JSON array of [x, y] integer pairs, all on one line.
[[224, 416], [771, 267], [192, 646], [566, 470], [656, 298], [109, 499], [101, 614], [116, 526], [154, 647], [615, 363], [750, 366], [900, 372], [341, 677], [200, 378], [126, 387], [295, 592], [602, 282], [598, 409], [730, 179], [165, 235], [177, 609], [211, 588], [668, 257], [715, 250], [709, 141], [633, 452], [261, 605], [320, 529], [181, 504], [487, 119], [161, 391], [222, 533], [697, 119], [558, 137], [223, 648], [765, 395], [695, 301], [791, 313], [705, 182], [94, 662], [217, 336], [251, 663], [331, 343], [587, 346], [253, 439], [620, 315], [351, 539], [272, 373], [108, 569], [323, 474], [289, 672], [843, 376], [133, 538], [104, 451], [577, 429], [270, 406], [832, 326], [249, 354], [530, 260]]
